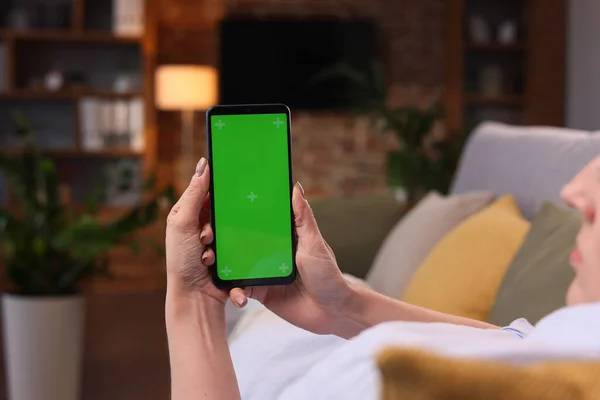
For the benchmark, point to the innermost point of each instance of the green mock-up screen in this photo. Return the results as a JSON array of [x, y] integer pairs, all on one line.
[[251, 196]]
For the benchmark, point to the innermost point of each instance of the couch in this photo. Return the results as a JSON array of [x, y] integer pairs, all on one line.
[[521, 269], [530, 163]]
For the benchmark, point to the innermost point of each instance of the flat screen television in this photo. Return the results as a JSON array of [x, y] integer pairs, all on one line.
[[283, 60]]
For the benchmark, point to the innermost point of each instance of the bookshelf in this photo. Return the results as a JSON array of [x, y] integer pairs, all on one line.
[[85, 81], [32, 94], [67, 36], [517, 76]]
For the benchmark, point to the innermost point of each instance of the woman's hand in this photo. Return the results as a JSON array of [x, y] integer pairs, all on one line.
[[195, 309], [313, 302], [316, 299], [188, 234]]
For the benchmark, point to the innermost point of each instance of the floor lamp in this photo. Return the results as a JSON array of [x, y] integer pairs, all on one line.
[[186, 88]]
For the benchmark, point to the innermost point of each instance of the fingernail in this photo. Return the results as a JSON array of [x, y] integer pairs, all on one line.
[[204, 257], [301, 189], [239, 300], [202, 237], [201, 166]]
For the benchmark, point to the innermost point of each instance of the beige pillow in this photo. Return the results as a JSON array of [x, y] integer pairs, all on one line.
[[410, 241]]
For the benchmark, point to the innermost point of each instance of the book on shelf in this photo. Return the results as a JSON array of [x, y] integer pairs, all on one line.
[[128, 17], [109, 124], [89, 110], [137, 124], [3, 71]]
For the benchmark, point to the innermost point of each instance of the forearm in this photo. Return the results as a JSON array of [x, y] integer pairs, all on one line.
[[201, 365], [367, 308]]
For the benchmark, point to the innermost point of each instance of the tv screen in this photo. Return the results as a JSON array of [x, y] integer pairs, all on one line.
[[283, 61]]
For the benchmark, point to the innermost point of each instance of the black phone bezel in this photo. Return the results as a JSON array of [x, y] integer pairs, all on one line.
[[246, 109]]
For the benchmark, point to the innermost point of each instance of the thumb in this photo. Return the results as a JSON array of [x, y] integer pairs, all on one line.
[[192, 199], [306, 225]]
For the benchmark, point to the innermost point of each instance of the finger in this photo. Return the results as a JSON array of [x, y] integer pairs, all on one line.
[[205, 211], [173, 212], [194, 196], [238, 297], [306, 225], [208, 257], [206, 236]]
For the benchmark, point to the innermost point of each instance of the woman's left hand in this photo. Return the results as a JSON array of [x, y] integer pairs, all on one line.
[[195, 309], [188, 234]]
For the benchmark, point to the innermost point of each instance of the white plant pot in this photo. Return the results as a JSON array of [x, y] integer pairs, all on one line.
[[43, 346]]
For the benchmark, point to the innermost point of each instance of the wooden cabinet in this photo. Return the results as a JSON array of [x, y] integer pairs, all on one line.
[[76, 44], [505, 61]]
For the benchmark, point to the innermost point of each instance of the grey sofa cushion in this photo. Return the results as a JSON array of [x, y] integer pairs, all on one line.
[[531, 163], [539, 276]]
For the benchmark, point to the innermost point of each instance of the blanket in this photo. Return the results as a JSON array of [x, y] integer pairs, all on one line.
[[276, 360]]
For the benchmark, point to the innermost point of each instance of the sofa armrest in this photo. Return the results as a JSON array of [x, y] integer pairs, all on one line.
[[356, 227]]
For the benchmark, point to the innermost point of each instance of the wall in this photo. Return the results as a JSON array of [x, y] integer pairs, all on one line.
[[332, 154], [583, 77]]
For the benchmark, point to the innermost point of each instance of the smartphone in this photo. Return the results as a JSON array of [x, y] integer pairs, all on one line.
[[250, 153]]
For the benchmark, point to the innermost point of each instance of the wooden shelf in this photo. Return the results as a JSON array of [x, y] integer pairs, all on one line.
[[495, 47], [89, 36], [506, 100], [32, 94], [534, 59], [74, 153], [68, 36]]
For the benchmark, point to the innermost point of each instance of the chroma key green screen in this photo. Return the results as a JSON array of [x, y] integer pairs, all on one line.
[[251, 183]]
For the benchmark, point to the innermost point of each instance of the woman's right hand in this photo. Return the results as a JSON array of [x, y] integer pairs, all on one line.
[[318, 297]]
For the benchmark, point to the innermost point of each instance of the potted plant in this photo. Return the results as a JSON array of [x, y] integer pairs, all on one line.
[[422, 161], [48, 251]]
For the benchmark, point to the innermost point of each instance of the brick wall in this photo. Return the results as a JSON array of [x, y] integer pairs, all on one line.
[[333, 153]]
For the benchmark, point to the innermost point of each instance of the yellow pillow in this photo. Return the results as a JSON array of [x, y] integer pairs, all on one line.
[[417, 375], [463, 272]]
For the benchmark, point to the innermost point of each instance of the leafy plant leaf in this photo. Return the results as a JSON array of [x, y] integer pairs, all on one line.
[[48, 249], [421, 165]]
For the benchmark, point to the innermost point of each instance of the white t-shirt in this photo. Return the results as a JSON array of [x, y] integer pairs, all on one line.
[[276, 360]]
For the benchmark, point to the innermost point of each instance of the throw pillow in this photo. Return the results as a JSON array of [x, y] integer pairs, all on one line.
[[462, 274], [539, 276], [416, 375], [415, 235], [355, 227]]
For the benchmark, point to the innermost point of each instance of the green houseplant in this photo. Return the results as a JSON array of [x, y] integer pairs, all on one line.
[[48, 250], [422, 161]]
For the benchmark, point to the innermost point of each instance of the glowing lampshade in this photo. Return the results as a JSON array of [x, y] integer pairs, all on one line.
[[186, 87]]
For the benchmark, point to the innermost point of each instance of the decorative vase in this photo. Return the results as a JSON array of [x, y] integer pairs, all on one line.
[[479, 30], [507, 33], [43, 346]]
